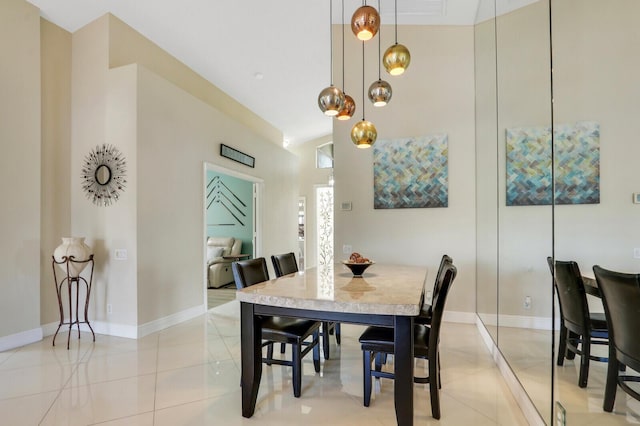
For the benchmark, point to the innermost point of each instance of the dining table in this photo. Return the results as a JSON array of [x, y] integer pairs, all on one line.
[[385, 295]]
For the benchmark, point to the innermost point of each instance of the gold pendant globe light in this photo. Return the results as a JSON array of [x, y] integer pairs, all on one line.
[[380, 91], [363, 133], [365, 22], [349, 107], [397, 57], [331, 99]]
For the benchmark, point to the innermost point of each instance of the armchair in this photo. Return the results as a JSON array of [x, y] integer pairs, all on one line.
[[219, 268]]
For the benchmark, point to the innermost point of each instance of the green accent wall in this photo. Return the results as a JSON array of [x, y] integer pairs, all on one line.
[[230, 208]]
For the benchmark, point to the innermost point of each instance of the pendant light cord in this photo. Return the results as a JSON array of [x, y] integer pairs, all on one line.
[[396, 20], [379, 41], [343, 83], [363, 81], [331, 40]]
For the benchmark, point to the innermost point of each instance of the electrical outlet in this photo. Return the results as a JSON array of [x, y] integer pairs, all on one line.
[[347, 249], [109, 308], [636, 253], [527, 302], [120, 254]]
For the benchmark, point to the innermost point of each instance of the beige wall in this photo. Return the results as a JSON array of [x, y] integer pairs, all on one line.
[[55, 214], [310, 178], [435, 95], [20, 172]]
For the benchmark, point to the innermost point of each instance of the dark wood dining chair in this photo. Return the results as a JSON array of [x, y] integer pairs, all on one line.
[[621, 299], [427, 308], [579, 328], [379, 340], [285, 264], [281, 329]]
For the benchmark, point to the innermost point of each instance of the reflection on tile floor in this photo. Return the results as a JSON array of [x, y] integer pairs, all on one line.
[[529, 355], [189, 375]]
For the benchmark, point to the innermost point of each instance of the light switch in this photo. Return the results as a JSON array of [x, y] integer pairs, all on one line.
[[120, 254]]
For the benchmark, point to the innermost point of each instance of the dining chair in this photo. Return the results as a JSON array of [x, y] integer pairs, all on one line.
[[427, 309], [281, 329], [285, 264], [579, 328], [621, 300], [379, 340]]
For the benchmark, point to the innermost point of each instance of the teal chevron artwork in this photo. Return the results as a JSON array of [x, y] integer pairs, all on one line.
[[411, 172], [577, 165]]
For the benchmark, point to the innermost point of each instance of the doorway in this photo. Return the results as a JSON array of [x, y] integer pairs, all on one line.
[[231, 213]]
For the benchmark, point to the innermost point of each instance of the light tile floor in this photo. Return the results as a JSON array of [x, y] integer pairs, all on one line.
[[189, 375]]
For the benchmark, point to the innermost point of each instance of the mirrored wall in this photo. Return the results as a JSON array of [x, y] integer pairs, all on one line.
[[566, 192]]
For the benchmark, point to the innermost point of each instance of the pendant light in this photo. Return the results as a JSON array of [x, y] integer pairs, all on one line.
[[331, 99], [349, 107], [397, 57], [379, 91], [365, 22], [363, 133]]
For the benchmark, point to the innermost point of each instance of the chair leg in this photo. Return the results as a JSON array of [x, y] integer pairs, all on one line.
[[338, 332], [562, 345], [269, 353], [434, 384], [366, 364], [569, 353], [584, 362], [316, 351], [297, 369], [380, 359], [326, 327], [611, 386]]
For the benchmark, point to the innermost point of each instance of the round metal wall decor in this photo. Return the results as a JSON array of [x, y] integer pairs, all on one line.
[[104, 175]]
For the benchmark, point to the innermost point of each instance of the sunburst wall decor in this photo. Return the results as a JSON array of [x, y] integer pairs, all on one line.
[[104, 175]]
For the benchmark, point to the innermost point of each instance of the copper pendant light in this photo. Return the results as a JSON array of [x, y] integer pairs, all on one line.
[[363, 133], [365, 22], [349, 107], [397, 57], [331, 99], [379, 91]]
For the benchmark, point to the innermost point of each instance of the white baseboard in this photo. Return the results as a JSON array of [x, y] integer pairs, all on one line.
[[521, 321], [522, 398], [168, 321], [20, 339], [130, 331], [460, 317]]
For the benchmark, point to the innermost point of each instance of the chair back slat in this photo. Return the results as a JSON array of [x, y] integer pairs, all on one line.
[[446, 260], [572, 296], [449, 272], [621, 300], [249, 272], [284, 264]]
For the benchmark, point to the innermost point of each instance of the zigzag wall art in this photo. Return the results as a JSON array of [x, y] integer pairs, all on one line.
[[411, 172], [577, 165]]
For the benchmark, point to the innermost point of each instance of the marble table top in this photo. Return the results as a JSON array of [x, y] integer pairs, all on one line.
[[383, 289]]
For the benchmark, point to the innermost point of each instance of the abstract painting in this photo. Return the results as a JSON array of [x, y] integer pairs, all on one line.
[[577, 165], [411, 172]]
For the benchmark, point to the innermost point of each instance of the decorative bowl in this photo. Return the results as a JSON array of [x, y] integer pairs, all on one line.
[[357, 268]]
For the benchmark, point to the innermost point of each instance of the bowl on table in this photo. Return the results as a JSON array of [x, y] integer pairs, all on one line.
[[357, 268]]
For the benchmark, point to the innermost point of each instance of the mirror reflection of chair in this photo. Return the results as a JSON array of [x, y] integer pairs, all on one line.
[[285, 264], [621, 299], [377, 341], [579, 328], [281, 329]]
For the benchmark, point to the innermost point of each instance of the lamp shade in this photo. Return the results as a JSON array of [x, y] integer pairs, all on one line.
[[348, 109], [331, 100], [364, 134], [365, 22], [380, 93], [396, 59]]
